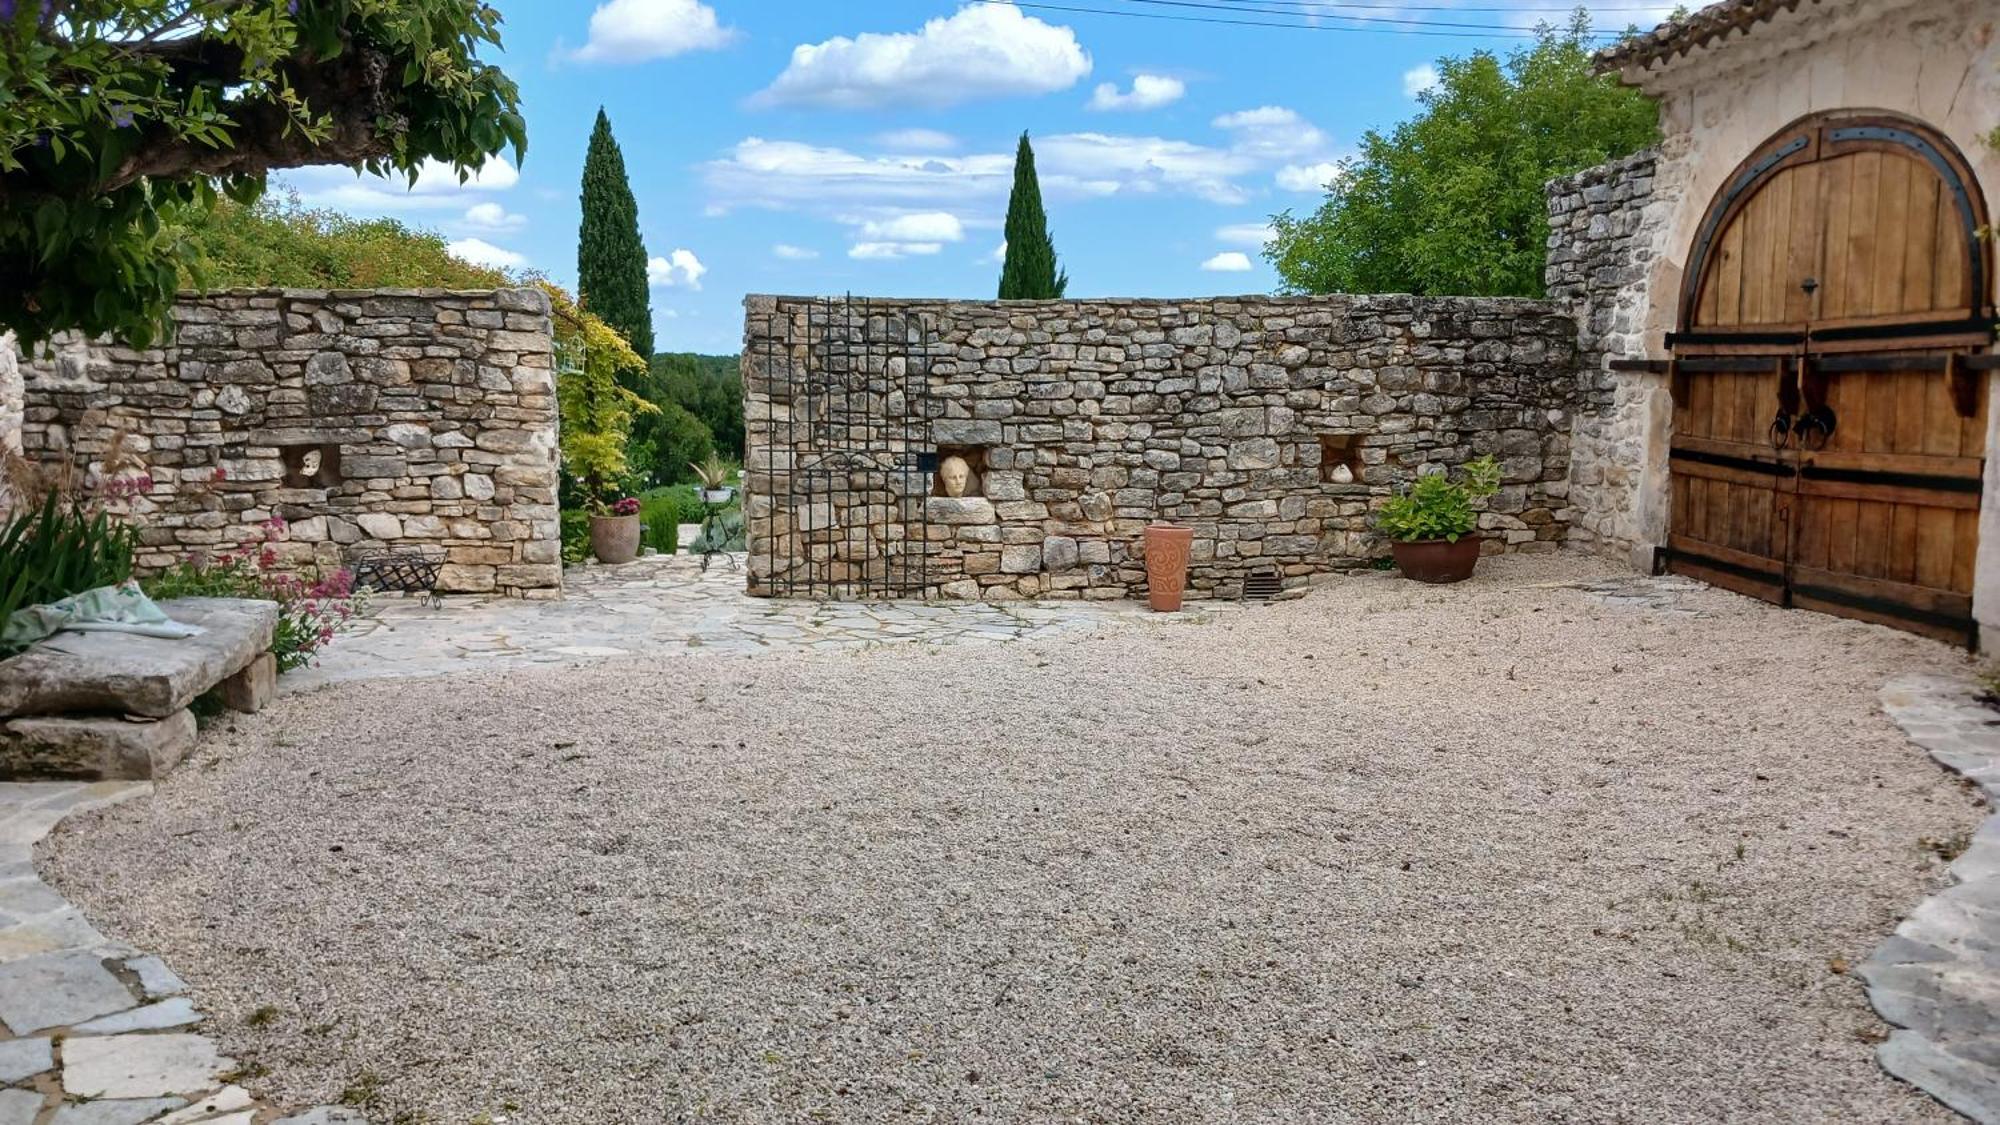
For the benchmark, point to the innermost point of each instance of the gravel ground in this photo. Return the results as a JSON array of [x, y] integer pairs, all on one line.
[[1495, 852]]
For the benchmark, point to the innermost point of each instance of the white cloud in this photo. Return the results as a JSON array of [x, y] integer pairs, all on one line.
[[1229, 261], [679, 268], [887, 250], [982, 51], [493, 216], [792, 253], [1417, 79], [1245, 234], [999, 255], [1149, 91], [921, 226], [1096, 164], [1273, 132], [628, 31], [1308, 177], [916, 140], [482, 253]]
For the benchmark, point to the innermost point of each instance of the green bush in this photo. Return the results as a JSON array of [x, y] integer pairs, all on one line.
[[660, 522], [59, 549], [575, 535], [1436, 507]]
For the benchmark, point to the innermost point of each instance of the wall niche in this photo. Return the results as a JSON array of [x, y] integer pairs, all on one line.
[[974, 457], [1340, 458]]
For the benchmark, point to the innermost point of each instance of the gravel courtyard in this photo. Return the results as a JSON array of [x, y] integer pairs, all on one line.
[[1517, 850]]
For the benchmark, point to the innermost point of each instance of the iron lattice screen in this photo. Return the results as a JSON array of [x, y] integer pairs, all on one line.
[[841, 460]]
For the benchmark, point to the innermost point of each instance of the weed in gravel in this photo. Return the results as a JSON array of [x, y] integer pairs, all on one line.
[[262, 1017], [1946, 848]]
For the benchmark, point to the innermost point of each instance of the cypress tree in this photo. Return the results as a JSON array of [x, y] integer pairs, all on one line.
[[610, 256], [1029, 273]]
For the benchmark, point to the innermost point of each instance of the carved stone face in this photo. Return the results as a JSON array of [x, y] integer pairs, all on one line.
[[954, 474], [309, 464]]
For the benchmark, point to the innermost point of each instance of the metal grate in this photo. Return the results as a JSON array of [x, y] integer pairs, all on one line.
[[407, 570], [1263, 586], [842, 479]]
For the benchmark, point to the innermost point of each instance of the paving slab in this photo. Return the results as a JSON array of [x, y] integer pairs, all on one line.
[[122, 1111], [58, 989], [24, 1058], [140, 1066], [1938, 977], [19, 1107], [178, 1012]]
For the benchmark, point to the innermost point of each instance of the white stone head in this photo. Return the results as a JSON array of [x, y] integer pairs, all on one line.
[[954, 475]]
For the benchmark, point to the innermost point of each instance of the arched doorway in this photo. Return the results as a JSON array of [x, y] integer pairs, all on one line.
[[1829, 444]]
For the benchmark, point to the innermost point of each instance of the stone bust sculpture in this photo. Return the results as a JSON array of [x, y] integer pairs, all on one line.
[[954, 476]]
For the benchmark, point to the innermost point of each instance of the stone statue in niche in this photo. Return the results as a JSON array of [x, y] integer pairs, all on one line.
[[954, 476], [309, 464]]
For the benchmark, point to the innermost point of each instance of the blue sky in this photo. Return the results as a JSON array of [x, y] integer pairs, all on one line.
[[799, 146]]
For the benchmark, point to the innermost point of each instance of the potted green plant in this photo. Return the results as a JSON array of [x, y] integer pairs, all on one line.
[[1432, 526], [614, 532], [714, 477]]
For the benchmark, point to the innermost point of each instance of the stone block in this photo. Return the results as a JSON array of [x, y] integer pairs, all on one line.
[[93, 748], [58, 989], [956, 510], [153, 677], [1021, 559], [1059, 553], [140, 1066], [250, 690]]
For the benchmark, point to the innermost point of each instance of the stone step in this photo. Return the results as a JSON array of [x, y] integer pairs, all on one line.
[[124, 674]]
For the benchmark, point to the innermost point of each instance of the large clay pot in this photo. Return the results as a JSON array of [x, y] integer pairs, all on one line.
[[614, 539], [1437, 560], [1166, 565]]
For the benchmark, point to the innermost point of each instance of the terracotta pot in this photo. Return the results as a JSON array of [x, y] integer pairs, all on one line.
[[614, 539], [1437, 560], [1166, 565]]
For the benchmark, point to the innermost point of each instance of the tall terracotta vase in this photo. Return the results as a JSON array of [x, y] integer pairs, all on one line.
[[1166, 565]]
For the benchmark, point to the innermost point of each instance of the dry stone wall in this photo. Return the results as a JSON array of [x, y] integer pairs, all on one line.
[[360, 419], [1272, 426]]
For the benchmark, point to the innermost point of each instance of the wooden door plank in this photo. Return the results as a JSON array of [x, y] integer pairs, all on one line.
[[1902, 543], [1805, 252], [1871, 541], [1919, 281], [1863, 238], [1965, 550], [1949, 287], [1879, 418], [1892, 231], [1836, 187], [1729, 277], [1941, 421], [1936, 529], [1909, 393], [1899, 495], [1759, 223]]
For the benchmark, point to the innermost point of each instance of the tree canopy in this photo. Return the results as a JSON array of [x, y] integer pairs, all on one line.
[[121, 120], [1029, 272], [610, 255], [1451, 201]]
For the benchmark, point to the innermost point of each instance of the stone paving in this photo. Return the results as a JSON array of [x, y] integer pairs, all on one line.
[[664, 605], [1938, 977], [92, 1032]]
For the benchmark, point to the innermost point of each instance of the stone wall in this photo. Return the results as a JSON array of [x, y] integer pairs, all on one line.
[[1272, 426], [397, 418], [1603, 247]]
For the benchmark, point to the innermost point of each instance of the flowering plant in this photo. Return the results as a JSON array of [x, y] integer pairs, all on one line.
[[629, 506], [311, 609]]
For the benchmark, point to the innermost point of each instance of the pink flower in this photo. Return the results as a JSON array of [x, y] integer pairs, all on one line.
[[221, 474]]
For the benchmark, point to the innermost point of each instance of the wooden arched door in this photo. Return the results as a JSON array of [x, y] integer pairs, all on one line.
[[1829, 442]]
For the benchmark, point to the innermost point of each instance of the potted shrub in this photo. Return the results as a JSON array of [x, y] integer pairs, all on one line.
[[714, 477], [1433, 527], [614, 532]]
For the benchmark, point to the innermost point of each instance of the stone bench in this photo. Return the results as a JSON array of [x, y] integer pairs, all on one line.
[[114, 706]]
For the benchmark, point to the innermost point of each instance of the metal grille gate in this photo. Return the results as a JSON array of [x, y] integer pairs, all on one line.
[[839, 395]]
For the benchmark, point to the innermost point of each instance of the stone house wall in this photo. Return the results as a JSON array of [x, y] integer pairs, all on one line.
[[397, 418], [1272, 425], [1604, 239]]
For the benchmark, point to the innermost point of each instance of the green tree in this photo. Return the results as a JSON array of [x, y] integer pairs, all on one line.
[[610, 255], [120, 120], [1451, 202], [1029, 272], [276, 241]]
